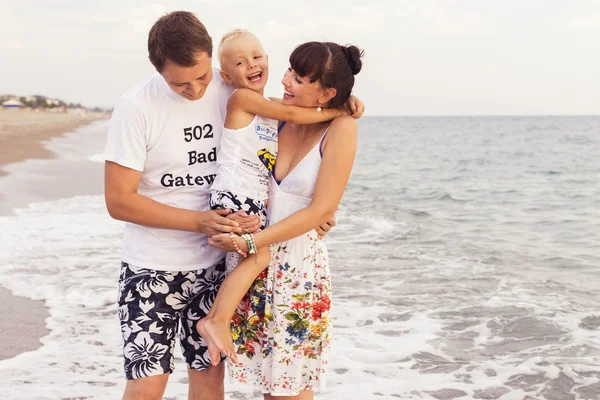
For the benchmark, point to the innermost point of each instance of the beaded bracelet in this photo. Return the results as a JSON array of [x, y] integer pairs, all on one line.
[[253, 243], [237, 248], [249, 238]]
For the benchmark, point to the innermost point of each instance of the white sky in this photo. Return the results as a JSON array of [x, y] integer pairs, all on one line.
[[424, 57]]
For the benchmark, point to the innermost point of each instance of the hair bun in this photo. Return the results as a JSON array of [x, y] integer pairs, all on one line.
[[354, 54]]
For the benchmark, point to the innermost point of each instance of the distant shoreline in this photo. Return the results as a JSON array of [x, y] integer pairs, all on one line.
[[23, 131]]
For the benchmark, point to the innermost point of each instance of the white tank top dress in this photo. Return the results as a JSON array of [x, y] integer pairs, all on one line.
[[282, 329]]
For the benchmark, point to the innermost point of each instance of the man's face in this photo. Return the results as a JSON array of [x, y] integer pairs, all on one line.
[[189, 82]]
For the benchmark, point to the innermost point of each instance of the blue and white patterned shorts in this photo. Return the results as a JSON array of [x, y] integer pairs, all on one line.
[[157, 306]]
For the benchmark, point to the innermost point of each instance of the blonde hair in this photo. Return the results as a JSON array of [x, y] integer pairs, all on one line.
[[234, 34]]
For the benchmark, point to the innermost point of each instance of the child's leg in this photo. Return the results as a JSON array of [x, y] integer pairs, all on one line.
[[215, 327], [231, 259]]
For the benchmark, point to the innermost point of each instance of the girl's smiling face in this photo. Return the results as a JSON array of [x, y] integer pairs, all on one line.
[[245, 64]]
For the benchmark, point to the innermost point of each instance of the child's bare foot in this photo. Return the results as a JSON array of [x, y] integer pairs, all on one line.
[[218, 339], [213, 351]]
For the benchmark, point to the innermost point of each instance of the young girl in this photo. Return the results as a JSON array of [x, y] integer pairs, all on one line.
[[249, 141], [283, 331]]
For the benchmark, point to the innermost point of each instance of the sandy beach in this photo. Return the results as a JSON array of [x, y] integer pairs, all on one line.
[[22, 136], [23, 324], [22, 132]]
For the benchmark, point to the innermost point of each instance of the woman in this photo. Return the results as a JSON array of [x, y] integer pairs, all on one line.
[[282, 330]]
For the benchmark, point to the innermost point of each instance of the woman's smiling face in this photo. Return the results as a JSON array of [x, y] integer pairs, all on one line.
[[300, 91]]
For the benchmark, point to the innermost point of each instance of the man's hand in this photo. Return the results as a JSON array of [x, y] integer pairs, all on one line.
[[214, 222], [357, 107], [326, 227], [248, 223]]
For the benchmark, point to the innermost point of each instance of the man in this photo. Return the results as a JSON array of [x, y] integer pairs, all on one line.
[[160, 156]]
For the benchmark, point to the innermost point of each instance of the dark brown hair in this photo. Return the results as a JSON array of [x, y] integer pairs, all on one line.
[[178, 36], [334, 66]]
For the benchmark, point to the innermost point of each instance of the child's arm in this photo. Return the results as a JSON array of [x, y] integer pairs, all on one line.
[[355, 105], [251, 102], [336, 165]]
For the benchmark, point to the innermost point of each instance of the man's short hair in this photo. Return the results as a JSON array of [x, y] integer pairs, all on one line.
[[178, 37]]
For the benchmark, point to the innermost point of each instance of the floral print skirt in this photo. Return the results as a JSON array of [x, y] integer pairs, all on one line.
[[282, 328]]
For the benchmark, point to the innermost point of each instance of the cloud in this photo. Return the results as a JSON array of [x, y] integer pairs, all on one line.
[[423, 57], [585, 23], [14, 44]]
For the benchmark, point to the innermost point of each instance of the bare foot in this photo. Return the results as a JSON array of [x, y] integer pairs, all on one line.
[[213, 351], [218, 339]]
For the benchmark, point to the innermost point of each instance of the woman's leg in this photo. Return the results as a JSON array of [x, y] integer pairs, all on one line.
[[303, 395], [215, 327]]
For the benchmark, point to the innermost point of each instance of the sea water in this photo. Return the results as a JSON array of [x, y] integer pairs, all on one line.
[[465, 261]]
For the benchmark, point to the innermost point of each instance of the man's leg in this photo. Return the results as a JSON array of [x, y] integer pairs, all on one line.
[[207, 384], [206, 381], [150, 388], [149, 324]]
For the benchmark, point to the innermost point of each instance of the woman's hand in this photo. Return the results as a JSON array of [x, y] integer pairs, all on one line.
[[326, 227], [357, 107], [225, 243]]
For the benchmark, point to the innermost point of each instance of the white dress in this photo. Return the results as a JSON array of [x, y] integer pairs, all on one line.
[[282, 328]]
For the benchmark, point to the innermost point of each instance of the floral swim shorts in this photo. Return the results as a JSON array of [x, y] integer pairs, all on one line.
[[157, 306]]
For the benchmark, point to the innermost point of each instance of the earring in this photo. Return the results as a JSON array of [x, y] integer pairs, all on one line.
[[319, 108]]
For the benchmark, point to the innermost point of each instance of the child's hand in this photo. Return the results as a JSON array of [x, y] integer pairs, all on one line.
[[248, 223], [222, 241], [225, 243], [357, 107]]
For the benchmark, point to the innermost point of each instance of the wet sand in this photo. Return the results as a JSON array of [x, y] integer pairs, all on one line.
[[22, 325], [23, 134]]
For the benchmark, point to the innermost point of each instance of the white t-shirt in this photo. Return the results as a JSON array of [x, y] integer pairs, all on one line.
[[174, 142]]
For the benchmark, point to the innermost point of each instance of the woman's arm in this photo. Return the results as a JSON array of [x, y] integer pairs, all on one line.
[[339, 150], [251, 102]]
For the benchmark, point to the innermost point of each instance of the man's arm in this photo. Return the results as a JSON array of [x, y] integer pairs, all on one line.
[[126, 204], [125, 152]]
